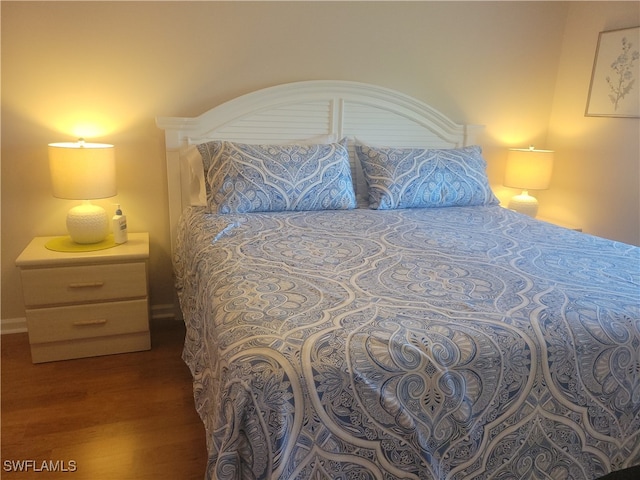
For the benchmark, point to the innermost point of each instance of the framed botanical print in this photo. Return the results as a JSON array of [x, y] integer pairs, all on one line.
[[615, 80]]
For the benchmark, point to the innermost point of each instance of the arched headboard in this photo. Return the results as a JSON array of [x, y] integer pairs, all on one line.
[[302, 110]]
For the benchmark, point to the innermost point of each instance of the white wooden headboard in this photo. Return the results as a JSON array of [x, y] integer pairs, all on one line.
[[302, 110]]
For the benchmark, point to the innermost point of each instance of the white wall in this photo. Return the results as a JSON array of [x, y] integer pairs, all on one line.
[[596, 182], [106, 69]]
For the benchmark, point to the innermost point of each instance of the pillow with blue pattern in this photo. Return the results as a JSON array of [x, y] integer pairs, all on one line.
[[244, 178], [418, 178]]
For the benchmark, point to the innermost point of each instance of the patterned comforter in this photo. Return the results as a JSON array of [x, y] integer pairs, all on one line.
[[451, 343]]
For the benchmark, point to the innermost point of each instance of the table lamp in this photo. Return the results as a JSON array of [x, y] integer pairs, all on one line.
[[84, 171], [528, 169]]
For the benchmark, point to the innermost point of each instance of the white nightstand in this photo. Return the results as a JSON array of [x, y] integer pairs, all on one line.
[[86, 304]]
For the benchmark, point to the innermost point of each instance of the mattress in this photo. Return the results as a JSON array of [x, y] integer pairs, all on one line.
[[426, 343]]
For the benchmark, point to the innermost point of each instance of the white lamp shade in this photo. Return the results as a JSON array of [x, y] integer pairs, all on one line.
[[82, 171], [528, 168]]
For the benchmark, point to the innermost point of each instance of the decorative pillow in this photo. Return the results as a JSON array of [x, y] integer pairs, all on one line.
[[416, 177], [245, 178], [192, 158]]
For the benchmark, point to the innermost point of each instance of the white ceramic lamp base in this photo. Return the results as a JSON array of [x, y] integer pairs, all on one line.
[[525, 204], [87, 223]]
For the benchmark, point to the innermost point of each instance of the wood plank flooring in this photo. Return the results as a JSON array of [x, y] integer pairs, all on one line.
[[116, 417]]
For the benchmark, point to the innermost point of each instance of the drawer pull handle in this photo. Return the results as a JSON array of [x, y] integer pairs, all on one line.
[[84, 323], [86, 284]]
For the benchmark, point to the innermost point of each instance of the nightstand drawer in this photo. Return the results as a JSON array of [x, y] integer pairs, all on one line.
[[86, 321], [66, 285]]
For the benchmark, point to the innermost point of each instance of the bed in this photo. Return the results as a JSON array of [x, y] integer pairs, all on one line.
[[359, 306]]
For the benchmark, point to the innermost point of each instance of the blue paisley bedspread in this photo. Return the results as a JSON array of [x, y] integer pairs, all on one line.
[[451, 343]]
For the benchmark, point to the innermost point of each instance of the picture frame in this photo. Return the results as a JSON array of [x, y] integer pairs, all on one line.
[[615, 80]]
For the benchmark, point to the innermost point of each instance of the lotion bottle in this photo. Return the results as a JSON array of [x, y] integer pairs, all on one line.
[[119, 226]]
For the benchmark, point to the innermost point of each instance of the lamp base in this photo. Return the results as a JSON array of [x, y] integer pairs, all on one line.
[[525, 204], [87, 223]]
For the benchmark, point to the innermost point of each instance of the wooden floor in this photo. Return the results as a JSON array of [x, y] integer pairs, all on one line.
[[117, 417]]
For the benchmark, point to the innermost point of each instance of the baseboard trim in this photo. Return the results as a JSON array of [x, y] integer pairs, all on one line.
[[165, 311], [13, 325]]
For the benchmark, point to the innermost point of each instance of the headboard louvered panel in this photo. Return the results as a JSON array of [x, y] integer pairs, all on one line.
[[304, 110], [288, 122], [376, 125]]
